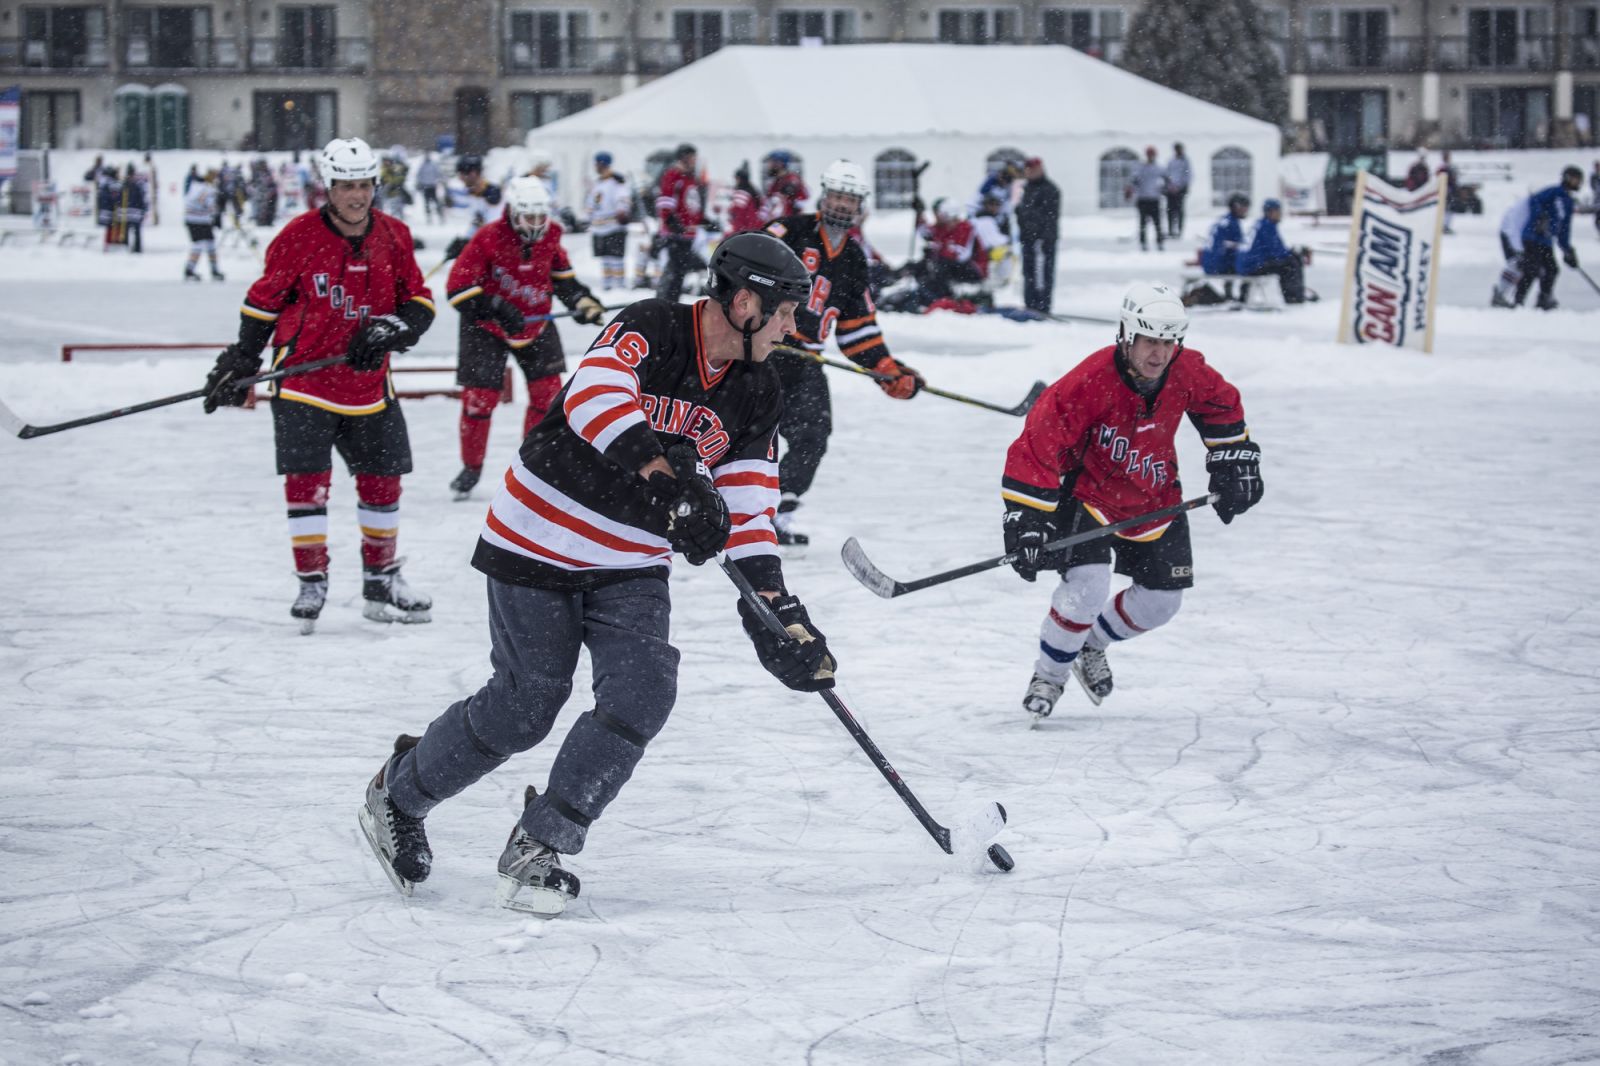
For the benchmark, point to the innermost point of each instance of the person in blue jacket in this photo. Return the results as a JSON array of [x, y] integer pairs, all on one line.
[[1265, 253], [1549, 224], [1221, 253]]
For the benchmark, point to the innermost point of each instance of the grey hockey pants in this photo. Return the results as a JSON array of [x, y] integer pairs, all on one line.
[[536, 635]]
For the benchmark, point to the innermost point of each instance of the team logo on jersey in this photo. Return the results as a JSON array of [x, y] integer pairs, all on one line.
[[515, 290], [686, 418], [1137, 465]]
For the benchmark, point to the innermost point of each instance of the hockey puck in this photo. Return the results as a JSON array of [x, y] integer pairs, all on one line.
[[1001, 858]]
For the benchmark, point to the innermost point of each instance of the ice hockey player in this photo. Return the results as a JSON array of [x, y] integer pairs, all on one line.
[[1511, 226], [786, 191], [1549, 224], [482, 196], [680, 205], [664, 443], [342, 280], [744, 203], [506, 273], [1098, 448], [840, 302], [202, 207], [1265, 253], [610, 206], [951, 255]]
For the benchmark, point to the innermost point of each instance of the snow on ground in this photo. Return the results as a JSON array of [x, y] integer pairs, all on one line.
[[1340, 811]]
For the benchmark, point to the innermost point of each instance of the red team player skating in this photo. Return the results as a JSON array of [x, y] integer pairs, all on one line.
[[341, 280], [507, 272], [1098, 448], [664, 441]]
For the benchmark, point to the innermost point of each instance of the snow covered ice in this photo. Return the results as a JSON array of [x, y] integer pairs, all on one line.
[[1341, 811]]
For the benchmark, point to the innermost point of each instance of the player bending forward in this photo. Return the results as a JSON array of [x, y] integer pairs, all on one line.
[[340, 280], [506, 274], [665, 441], [1098, 448]]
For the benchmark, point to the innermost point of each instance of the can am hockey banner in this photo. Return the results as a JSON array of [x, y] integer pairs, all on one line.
[[1391, 273], [10, 128]]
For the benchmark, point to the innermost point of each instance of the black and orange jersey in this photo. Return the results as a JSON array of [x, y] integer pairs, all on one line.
[[840, 300]]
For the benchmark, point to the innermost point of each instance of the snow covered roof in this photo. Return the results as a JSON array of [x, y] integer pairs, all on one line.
[[892, 90]]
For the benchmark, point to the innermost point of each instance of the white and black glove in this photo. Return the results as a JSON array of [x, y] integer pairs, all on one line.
[[377, 338], [588, 311], [801, 660], [697, 516], [1027, 529], [1236, 477]]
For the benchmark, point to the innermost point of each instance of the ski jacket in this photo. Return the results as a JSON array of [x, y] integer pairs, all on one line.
[[1221, 253], [1265, 247], [1549, 218]]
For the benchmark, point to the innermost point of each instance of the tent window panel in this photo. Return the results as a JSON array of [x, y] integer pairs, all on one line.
[[1231, 172], [1117, 168], [894, 179]]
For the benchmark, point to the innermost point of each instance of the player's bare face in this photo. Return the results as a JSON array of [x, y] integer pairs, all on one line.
[[350, 202], [1150, 357]]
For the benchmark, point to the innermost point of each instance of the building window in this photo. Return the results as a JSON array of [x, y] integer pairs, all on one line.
[[1586, 112], [1117, 168], [1508, 117], [1509, 37], [289, 120], [977, 25], [699, 32], [532, 110], [894, 179], [551, 40], [1346, 119], [1001, 156], [64, 38], [1230, 173], [1096, 31], [48, 116], [818, 24], [308, 37], [167, 38]]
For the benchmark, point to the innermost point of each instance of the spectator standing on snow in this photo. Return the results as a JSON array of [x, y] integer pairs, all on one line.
[[1039, 231], [1179, 175], [1149, 182]]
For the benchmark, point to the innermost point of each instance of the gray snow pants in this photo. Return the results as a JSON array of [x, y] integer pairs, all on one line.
[[536, 635]]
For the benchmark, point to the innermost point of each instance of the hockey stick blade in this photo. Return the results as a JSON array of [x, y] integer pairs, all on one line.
[[1029, 400], [876, 581], [13, 425]]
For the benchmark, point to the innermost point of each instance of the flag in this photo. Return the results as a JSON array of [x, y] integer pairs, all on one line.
[[1391, 279]]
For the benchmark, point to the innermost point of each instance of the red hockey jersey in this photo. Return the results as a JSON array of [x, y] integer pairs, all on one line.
[[744, 213], [318, 288], [497, 263], [956, 241], [785, 194], [1092, 437], [679, 197]]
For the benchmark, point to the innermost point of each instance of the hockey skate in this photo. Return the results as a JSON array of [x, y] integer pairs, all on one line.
[[387, 597], [783, 523], [216, 275], [1496, 300], [189, 274], [531, 878], [464, 482], [397, 839], [308, 605], [1041, 697], [1093, 673]]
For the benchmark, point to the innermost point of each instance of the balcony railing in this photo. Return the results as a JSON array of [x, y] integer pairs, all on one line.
[[1354, 55], [187, 53], [1533, 53], [1584, 53], [567, 55], [18, 54], [347, 55]]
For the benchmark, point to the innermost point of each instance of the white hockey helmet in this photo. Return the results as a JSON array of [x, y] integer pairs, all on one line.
[[846, 179], [347, 159], [528, 206], [1154, 311]]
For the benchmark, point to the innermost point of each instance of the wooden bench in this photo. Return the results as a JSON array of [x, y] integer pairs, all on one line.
[[1262, 292]]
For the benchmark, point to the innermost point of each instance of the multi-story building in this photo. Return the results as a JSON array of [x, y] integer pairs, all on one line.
[[235, 73]]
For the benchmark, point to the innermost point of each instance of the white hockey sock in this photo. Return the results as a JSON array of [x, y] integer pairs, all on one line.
[[1135, 610], [1073, 606]]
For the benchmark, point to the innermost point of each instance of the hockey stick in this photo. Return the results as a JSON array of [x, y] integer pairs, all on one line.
[[916, 223], [1019, 410], [435, 268], [880, 584], [1582, 274], [993, 816], [17, 427], [529, 320]]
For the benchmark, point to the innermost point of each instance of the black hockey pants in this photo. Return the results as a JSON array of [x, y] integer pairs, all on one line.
[[1039, 273], [535, 638], [807, 420], [681, 259]]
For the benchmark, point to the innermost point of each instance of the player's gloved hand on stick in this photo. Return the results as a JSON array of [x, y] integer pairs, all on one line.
[[907, 382], [918, 206], [507, 315], [802, 661], [376, 339], [673, 224], [697, 516], [1236, 477], [588, 311], [234, 363], [1027, 530], [1570, 257], [455, 248]]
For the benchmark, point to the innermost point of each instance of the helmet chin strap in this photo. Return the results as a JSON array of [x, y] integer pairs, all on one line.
[[747, 331]]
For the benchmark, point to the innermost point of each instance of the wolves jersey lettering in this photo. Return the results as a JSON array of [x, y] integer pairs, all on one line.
[[840, 299], [496, 262]]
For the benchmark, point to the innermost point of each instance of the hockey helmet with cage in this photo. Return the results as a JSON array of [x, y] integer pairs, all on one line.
[[845, 179], [347, 159], [1153, 311], [528, 206]]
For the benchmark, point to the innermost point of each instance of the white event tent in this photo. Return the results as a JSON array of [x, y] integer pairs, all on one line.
[[893, 106]]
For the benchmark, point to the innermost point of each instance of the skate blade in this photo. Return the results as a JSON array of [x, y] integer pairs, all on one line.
[[364, 817], [458, 497], [373, 611], [1087, 691], [308, 626], [529, 899]]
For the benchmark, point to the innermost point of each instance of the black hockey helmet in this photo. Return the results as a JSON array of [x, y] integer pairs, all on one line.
[[1239, 199], [469, 162], [761, 263]]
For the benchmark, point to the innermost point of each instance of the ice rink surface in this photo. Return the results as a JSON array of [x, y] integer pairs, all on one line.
[[1341, 811]]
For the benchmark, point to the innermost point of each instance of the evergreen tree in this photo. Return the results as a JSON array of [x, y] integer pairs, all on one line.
[[1215, 50]]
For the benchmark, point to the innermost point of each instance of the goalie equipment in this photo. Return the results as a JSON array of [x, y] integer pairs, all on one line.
[[528, 207], [1153, 311], [347, 159]]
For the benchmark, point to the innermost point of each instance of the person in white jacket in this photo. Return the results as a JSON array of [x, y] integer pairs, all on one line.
[[610, 205]]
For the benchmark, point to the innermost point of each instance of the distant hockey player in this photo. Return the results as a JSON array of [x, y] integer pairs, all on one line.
[[1265, 253], [681, 207], [1512, 224], [840, 301], [609, 207], [1146, 189], [340, 281], [951, 254], [786, 192], [202, 206], [1098, 448], [744, 203], [482, 199], [998, 185], [1179, 175], [506, 273], [429, 178], [1549, 224], [664, 444]]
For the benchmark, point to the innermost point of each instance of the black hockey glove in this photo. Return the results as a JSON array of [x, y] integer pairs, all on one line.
[[673, 224], [234, 363], [1570, 257], [376, 339], [1027, 530], [455, 248], [1236, 477], [588, 311], [507, 315], [801, 661], [697, 516]]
